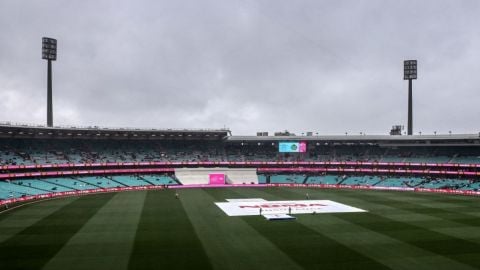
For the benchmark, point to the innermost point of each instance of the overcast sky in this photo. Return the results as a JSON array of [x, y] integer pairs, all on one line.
[[321, 66]]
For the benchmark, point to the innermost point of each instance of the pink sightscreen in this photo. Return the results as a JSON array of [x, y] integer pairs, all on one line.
[[217, 179]]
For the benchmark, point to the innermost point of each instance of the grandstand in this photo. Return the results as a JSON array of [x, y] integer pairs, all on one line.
[[25, 145], [40, 160]]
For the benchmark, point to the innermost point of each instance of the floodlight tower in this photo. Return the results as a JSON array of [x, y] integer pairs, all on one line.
[[410, 73], [49, 53]]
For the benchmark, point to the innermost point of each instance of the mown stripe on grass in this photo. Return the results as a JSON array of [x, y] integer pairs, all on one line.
[[165, 238], [471, 201], [16, 220], [450, 247], [229, 241], [382, 202], [428, 230], [308, 248], [395, 253], [425, 215], [33, 247], [468, 254], [106, 240], [425, 208]]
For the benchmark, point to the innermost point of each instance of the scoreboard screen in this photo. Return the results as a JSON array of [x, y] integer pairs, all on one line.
[[292, 147]]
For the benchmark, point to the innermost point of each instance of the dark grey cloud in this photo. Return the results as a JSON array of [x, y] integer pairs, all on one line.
[[321, 66]]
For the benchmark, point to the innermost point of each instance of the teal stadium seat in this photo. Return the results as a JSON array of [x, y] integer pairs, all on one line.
[[159, 179], [101, 182], [130, 181], [327, 179], [20, 189], [71, 183], [42, 185], [262, 179], [287, 179]]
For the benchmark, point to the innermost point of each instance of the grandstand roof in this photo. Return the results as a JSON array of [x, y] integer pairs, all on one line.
[[399, 140], [8, 130]]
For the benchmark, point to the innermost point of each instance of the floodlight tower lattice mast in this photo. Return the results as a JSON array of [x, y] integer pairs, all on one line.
[[410, 73], [49, 53]]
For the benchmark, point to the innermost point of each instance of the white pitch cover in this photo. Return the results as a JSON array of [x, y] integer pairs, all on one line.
[[251, 208]]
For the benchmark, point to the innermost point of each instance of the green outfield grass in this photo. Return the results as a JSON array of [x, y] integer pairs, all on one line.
[[153, 230]]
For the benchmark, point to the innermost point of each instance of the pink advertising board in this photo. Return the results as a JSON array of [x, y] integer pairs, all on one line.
[[302, 147], [217, 179]]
